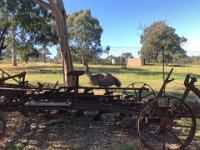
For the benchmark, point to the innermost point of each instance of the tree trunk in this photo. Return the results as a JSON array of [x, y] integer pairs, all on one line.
[[94, 59], [44, 56], [14, 57], [82, 59], [58, 10], [67, 63]]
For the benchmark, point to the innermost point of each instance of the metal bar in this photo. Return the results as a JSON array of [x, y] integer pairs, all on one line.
[[165, 83], [81, 107], [111, 88], [12, 77]]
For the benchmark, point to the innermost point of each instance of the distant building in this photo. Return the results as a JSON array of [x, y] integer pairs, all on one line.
[[131, 62], [113, 61]]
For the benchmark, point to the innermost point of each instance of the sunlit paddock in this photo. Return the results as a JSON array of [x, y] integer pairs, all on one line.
[[152, 75]]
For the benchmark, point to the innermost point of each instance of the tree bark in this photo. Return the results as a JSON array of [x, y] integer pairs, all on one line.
[[45, 54], [44, 57], [14, 57], [82, 59], [58, 10]]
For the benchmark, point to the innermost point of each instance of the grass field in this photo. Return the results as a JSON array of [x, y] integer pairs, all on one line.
[[151, 75]]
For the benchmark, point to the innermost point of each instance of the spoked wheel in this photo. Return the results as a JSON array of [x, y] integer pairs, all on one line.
[[2, 126], [138, 95], [129, 95], [166, 123]]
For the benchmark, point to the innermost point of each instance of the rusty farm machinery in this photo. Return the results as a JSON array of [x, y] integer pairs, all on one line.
[[161, 120]]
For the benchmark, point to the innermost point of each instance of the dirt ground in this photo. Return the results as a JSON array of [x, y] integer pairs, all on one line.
[[39, 132]]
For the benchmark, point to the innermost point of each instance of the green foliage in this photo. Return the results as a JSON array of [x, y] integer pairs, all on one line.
[[126, 55], [84, 35], [167, 58], [26, 22], [26, 54], [193, 59], [44, 52], [157, 37]]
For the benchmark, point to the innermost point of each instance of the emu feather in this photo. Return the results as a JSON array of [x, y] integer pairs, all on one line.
[[102, 79]]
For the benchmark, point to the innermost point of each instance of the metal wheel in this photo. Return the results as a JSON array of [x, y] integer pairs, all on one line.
[[2, 126], [138, 95], [166, 123]]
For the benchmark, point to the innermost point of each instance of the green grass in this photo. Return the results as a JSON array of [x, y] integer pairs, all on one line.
[[151, 75]]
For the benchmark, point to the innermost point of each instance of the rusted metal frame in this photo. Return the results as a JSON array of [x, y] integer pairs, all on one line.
[[88, 89], [62, 96], [58, 96], [189, 84], [98, 100], [81, 106], [160, 112], [16, 88], [110, 88], [20, 76], [166, 111], [165, 83]]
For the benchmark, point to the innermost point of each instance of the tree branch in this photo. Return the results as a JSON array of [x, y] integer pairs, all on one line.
[[56, 8], [43, 4]]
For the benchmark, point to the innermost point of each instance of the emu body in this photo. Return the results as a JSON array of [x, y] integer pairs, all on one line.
[[102, 79]]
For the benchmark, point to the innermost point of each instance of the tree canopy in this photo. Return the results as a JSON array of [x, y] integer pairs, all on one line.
[[85, 34], [26, 22], [127, 55], [157, 37]]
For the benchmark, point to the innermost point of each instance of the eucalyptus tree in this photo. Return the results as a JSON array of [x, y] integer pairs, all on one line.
[[25, 22], [85, 34], [56, 7], [44, 52], [160, 37]]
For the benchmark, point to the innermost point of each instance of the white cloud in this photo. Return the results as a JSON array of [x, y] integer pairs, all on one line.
[[192, 47]]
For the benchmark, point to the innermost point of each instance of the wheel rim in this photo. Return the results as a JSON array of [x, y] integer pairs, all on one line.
[[130, 94], [135, 95], [166, 123]]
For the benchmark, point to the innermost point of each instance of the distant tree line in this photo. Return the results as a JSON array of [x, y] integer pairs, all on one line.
[[31, 31]]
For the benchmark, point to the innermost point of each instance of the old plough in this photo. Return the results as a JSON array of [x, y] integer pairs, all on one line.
[[162, 121]]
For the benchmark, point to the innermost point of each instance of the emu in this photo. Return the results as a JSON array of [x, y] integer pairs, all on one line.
[[103, 80]]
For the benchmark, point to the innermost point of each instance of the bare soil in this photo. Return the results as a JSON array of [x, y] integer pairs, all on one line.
[[38, 132]]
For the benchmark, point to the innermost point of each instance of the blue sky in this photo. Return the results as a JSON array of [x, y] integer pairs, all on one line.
[[121, 19]]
